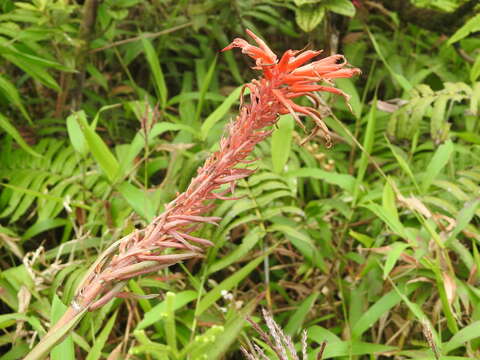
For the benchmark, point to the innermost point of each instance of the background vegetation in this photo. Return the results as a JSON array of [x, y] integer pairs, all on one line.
[[108, 107]]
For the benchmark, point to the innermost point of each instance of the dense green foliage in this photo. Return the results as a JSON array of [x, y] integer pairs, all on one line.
[[107, 108]]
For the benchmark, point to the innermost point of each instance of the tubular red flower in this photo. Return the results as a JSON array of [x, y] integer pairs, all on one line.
[[290, 78]]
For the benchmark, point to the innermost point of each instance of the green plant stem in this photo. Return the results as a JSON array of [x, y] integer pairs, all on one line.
[[68, 321]]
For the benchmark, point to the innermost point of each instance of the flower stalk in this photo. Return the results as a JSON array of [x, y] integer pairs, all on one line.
[[144, 251]]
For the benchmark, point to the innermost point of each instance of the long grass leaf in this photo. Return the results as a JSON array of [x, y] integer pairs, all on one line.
[[10, 130], [219, 112], [155, 67], [100, 151], [437, 163], [96, 351], [229, 283], [207, 79], [282, 143]]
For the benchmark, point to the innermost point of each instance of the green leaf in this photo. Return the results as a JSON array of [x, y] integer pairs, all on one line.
[[302, 242], [97, 76], [376, 311], [230, 333], [437, 163], [65, 350], [342, 7], [475, 71], [206, 81], [320, 334], [75, 133], [462, 337], [138, 199], [472, 25], [7, 320], [158, 312], [43, 226], [219, 33], [100, 151], [346, 182], [147, 346], [388, 201], [416, 311], [402, 81], [96, 352], [347, 85], [338, 348], [282, 142], [392, 221], [464, 217], [365, 240], [309, 16], [138, 142], [170, 329], [152, 59], [304, 2], [16, 352], [11, 94], [33, 66], [216, 293], [367, 144], [194, 95], [399, 156], [354, 348], [10, 130], [248, 242], [219, 112], [393, 255], [437, 120], [295, 323]]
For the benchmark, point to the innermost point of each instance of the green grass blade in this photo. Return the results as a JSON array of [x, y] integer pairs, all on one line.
[[295, 323], [100, 151], [65, 350], [230, 333], [282, 142], [399, 156], [248, 242], [75, 133], [158, 311], [45, 346], [346, 182], [400, 79], [207, 79], [11, 94], [216, 293], [152, 59], [138, 199], [373, 314], [10, 130], [170, 329], [393, 255], [436, 165], [464, 218], [219, 112], [96, 351], [462, 337], [367, 143]]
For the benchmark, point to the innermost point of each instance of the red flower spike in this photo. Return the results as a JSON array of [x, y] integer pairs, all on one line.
[[289, 78], [143, 251]]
